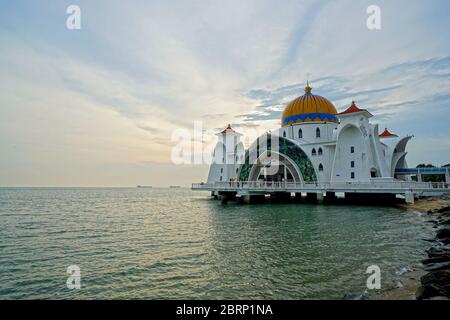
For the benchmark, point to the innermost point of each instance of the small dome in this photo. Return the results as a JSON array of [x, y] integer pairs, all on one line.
[[309, 108]]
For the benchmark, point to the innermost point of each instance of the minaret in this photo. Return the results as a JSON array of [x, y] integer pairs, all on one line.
[[228, 154]]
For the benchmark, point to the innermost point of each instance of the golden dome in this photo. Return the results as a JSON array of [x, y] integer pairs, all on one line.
[[309, 108]]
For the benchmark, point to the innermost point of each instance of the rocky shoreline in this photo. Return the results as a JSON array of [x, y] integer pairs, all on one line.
[[429, 278], [435, 284]]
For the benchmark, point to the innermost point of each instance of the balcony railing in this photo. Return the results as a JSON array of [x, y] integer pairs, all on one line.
[[370, 185]]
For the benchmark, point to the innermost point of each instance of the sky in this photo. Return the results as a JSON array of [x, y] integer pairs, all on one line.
[[99, 106]]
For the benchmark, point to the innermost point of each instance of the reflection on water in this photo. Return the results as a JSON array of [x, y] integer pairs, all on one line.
[[174, 243]]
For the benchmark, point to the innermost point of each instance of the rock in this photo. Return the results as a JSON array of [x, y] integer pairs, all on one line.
[[444, 241], [435, 260], [443, 210], [443, 233], [444, 222], [445, 214], [438, 298], [438, 266], [427, 291], [439, 252], [435, 283], [356, 296]]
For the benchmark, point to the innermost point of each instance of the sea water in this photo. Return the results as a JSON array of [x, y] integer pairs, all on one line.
[[138, 243]]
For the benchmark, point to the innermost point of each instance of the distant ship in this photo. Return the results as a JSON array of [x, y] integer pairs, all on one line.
[[144, 186], [174, 187]]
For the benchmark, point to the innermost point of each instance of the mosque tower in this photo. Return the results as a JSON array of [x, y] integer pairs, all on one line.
[[227, 156]]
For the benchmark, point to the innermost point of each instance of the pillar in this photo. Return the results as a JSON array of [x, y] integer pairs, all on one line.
[[419, 177], [311, 197], [319, 196], [249, 199], [224, 198], [409, 197], [280, 197], [370, 198], [330, 197]]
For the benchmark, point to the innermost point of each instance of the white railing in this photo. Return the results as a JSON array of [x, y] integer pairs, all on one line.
[[370, 185]]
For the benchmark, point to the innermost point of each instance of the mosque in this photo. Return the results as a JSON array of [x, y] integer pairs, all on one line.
[[315, 146]]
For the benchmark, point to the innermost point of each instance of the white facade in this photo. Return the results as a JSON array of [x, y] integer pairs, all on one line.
[[228, 154], [350, 150]]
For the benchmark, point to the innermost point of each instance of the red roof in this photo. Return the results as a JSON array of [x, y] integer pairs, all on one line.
[[353, 108], [228, 129], [386, 134]]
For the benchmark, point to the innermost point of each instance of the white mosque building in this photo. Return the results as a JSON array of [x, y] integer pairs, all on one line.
[[315, 145]]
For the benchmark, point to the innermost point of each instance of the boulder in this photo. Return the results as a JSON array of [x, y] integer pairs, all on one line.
[[443, 233], [427, 291], [444, 210], [438, 266], [439, 252], [435, 260], [437, 278], [444, 241], [434, 284]]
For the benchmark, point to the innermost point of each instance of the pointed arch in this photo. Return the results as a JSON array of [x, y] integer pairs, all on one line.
[[287, 148]]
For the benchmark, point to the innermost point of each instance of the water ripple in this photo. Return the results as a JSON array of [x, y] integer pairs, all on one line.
[[161, 243]]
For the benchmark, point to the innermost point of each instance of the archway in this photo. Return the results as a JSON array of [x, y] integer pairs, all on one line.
[[273, 166], [296, 155]]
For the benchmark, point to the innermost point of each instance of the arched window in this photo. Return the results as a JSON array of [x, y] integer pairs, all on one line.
[[237, 170], [284, 134], [300, 134], [320, 151], [221, 170], [313, 152], [320, 167], [317, 133]]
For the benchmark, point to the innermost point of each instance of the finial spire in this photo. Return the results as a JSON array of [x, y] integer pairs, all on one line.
[[307, 88]]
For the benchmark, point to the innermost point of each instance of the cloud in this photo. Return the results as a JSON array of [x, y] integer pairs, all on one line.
[[383, 101], [115, 91]]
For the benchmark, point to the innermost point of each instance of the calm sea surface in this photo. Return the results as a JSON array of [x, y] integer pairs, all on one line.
[[174, 243]]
